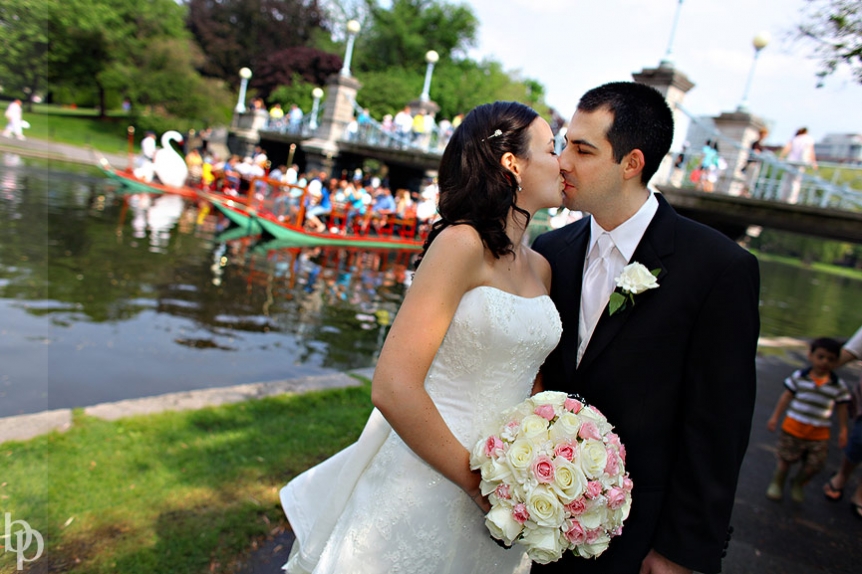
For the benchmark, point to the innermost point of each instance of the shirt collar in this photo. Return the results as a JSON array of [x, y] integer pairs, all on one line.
[[627, 235]]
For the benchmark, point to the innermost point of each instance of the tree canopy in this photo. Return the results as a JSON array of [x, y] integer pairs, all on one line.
[[835, 26]]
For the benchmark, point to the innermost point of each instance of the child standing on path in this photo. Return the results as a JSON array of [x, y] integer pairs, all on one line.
[[809, 397], [834, 487]]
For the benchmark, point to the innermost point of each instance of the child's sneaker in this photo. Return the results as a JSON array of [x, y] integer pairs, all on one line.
[[797, 491], [775, 490]]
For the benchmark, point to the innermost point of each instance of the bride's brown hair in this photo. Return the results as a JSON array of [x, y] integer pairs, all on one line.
[[475, 188]]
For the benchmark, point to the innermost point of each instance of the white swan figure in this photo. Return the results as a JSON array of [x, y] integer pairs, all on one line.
[[169, 165]]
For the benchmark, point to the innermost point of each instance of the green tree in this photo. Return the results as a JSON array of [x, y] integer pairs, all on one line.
[[24, 49], [401, 34], [835, 28], [238, 33]]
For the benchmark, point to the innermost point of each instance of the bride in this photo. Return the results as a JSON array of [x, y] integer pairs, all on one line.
[[467, 343]]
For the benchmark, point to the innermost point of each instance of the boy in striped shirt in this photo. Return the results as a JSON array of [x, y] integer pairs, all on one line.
[[809, 398]]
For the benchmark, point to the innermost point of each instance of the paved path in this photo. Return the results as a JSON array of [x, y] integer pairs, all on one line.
[[57, 151]]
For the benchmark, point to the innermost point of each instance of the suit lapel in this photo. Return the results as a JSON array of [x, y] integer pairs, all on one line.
[[656, 243]]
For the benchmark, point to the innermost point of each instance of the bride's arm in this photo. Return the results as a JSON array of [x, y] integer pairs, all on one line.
[[543, 270], [453, 264]]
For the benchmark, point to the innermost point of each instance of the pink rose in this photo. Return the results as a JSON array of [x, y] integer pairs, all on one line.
[[589, 430], [520, 514], [492, 445], [503, 491], [566, 450], [623, 453], [543, 469], [612, 468], [575, 534], [614, 439], [627, 484], [573, 405], [617, 531], [545, 411], [576, 507], [512, 425], [593, 535], [616, 498], [594, 488]]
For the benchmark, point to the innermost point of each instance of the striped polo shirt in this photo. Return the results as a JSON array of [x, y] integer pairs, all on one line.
[[809, 413]]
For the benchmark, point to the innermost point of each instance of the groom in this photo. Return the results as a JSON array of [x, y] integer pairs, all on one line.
[[673, 369]]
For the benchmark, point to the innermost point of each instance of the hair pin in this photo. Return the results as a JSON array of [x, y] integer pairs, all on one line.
[[496, 134]]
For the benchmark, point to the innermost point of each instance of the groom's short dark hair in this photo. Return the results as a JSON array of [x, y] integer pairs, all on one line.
[[642, 120]]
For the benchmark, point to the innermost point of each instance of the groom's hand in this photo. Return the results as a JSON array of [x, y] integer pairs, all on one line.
[[655, 563]]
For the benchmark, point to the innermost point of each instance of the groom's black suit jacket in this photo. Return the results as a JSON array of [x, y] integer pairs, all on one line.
[[675, 375]]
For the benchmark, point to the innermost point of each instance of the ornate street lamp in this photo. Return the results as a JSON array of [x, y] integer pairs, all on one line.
[[245, 74], [431, 57], [667, 61], [316, 93], [352, 31], [759, 42]]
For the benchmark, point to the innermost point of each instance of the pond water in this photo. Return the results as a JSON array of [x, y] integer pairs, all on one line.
[[105, 296]]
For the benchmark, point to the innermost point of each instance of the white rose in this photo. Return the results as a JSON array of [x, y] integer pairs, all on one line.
[[635, 278], [520, 454], [554, 398], [593, 458], [495, 471], [569, 481], [477, 457], [534, 426], [594, 516], [590, 414], [502, 526], [543, 544], [544, 507], [592, 549], [565, 427]]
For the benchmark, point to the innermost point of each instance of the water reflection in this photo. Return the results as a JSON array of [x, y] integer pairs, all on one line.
[[105, 296]]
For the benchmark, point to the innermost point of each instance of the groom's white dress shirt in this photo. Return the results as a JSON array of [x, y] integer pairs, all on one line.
[[625, 239]]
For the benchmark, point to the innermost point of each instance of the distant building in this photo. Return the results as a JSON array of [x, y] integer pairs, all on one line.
[[840, 148]]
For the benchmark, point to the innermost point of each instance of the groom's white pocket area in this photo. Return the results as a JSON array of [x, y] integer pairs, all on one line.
[[554, 472]]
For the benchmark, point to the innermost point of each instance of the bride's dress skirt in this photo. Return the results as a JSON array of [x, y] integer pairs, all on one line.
[[376, 507]]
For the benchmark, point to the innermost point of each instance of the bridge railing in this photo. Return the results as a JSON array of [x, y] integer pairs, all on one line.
[[766, 176], [372, 132], [302, 128]]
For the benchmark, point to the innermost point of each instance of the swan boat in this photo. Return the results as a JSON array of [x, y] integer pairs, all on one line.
[[263, 217]]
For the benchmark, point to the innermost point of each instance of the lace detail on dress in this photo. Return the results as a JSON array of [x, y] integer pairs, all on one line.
[[403, 516]]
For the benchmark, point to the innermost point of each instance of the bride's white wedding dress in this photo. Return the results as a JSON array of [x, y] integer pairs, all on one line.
[[376, 507]]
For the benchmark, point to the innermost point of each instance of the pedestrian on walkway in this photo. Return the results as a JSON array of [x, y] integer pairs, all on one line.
[[834, 487], [809, 398], [15, 125]]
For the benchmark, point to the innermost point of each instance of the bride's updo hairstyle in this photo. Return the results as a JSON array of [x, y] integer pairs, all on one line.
[[474, 187]]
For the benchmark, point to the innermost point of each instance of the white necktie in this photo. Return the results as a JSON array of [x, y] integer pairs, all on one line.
[[597, 284]]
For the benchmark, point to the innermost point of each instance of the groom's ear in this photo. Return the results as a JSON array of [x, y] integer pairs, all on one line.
[[633, 164]]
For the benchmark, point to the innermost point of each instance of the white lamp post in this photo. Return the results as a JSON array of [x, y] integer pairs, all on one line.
[[245, 74], [317, 93], [760, 41], [352, 31], [431, 57], [667, 61]]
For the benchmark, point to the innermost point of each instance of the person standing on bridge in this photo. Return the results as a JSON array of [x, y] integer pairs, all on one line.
[[800, 152]]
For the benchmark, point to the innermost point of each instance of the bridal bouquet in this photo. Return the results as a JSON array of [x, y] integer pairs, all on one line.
[[555, 476]]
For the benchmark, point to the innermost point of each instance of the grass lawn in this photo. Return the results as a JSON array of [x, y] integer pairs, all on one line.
[[177, 492], [80, 127], [825, 267]]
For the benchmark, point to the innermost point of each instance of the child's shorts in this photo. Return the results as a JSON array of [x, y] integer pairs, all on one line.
[[853, 450], [812, 453]]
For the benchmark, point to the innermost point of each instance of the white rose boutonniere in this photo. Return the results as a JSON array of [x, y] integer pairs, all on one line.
[[634, 279]]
